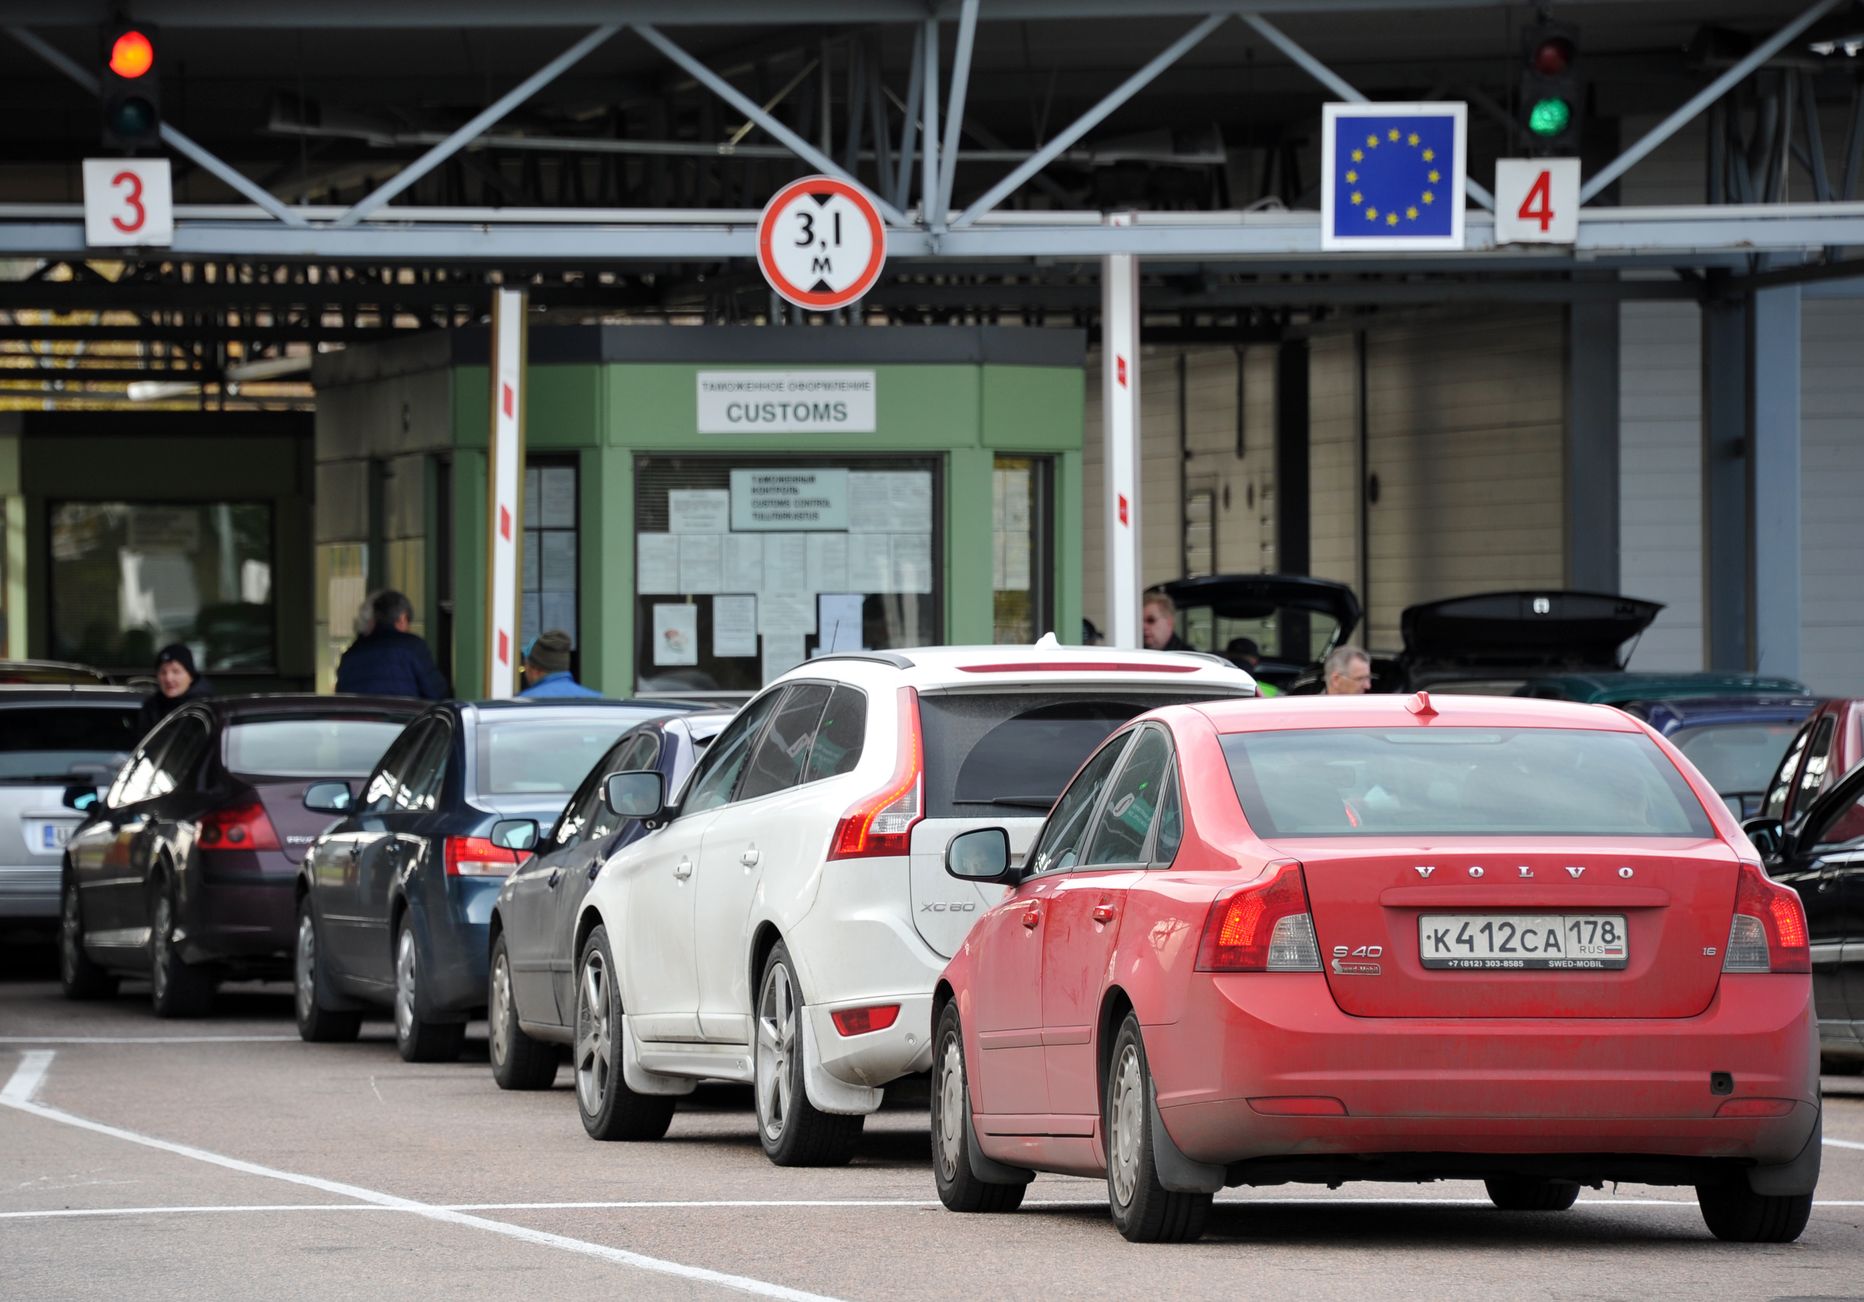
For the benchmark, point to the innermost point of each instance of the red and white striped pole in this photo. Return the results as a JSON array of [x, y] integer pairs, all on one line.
[[1119, 344]]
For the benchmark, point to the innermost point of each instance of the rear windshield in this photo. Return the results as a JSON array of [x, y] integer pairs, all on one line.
[[308, 747], [995, 753], [41, 743], [1460, 782], [1736, 758], [544, 756]]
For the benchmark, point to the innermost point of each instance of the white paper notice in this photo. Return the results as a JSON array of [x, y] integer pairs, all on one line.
[[734, 626], [890, 501], [558, 568], [786, 563], [676, 635], [828, 562], [558, 610], [912, 562], [870, 563], [786, 614], [656, 562], [744, 563], [789, 499], [1015, 553], [701, 562], [698, 510], [838, 616], [557, 510], [781, 654]]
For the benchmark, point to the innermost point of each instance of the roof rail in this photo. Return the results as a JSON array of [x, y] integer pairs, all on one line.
[[893, 658]]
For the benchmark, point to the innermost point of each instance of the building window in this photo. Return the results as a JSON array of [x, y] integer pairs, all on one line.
[[552, 548], [128, 578], [1022, 524], [747, 566]]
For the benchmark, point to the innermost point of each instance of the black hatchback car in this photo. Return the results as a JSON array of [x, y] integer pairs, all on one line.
[[531, 1005], [395, 898], [181, 871]]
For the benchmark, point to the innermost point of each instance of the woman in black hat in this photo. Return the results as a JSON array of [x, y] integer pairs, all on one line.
[[176, 680]]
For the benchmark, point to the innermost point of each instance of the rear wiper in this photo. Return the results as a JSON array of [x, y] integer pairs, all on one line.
[[1021, 802]]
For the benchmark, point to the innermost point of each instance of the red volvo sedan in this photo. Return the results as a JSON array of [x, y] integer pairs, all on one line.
[[1381, 938]]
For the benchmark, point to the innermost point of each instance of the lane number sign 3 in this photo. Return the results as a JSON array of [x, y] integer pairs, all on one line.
[[821, 243], [128, 201], [1536, 200]]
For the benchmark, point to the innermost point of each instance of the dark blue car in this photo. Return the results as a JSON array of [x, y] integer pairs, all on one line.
[[1736, 741], [395, 897]]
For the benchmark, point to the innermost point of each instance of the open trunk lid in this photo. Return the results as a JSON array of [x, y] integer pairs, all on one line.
[[1380, 912], [1579, 630]]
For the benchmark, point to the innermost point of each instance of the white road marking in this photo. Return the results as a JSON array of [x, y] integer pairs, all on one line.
[[148, 1039], [1845, 1143], [30, 1074]]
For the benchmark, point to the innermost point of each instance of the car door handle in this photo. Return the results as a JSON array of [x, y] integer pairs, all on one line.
[[595, 869], [556, 875], [683, 869], [750, 857], [1103, 912], [1032, 916]]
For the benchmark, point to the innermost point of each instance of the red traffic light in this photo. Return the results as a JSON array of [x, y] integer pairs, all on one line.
[[131, 55], [1552, 56]]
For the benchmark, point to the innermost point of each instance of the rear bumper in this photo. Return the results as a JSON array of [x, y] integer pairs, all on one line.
[[1483, 1086], [457, 936], [29, 891], [242, 911]]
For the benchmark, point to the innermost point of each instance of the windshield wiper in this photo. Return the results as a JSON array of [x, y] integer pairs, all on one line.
[[1021, 802]]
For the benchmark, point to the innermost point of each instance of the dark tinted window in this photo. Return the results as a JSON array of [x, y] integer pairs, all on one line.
[[987, 753], [839, 738], [1066, 831], [308, 747], [543, 753], [1774, 806], [379, 796], [717, 776], [42, 742], [1818, 759], [1735, 757], [1171, 824], [180, 757], [1460, 782], [778, 762], [1126, 819], [587, 817]]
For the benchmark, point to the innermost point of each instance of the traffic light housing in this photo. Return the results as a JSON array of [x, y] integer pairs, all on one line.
[[1552, 95], [130, 86]]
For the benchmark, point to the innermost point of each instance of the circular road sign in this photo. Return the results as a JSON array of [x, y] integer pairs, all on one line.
[[820, 243]]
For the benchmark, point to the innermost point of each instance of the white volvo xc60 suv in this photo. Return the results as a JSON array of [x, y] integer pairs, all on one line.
[[785, 922]]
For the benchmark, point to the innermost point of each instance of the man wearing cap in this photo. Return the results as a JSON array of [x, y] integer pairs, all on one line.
[[547, 668], [176, 681]]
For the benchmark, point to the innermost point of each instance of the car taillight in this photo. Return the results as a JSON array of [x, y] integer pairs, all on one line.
[[1768, 933], [476, 856], [882, 824], [1264, 926], [243, 827], [859, 1021]]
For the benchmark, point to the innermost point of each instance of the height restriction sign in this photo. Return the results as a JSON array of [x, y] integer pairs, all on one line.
[[820, 243]]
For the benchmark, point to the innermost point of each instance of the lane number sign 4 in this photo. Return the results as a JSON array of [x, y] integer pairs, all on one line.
[[1536, 200], [821, 243], [128, 201]]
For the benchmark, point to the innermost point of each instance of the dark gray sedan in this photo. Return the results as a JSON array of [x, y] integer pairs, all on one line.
[[530, 1002]]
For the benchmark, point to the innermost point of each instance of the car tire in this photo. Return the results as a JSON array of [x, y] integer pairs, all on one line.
[[960, 1188], [1144, 1210], [418, 1038], [610, 1110], [80, 977], [1526, 1194], [1737, 1214], [793, 1130], [317, 1023], [518, 1061], [176, 988]]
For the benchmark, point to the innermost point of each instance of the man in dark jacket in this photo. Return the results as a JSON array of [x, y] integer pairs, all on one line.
[[176, 681], [388, 660]]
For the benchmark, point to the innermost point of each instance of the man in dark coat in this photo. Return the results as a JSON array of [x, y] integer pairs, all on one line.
[[176, 681], [388, 660]]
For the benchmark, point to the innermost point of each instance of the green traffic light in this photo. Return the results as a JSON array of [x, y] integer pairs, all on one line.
[[1549, 117], [132, 117]]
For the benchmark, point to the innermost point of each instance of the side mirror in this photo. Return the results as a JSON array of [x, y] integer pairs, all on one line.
[[515, 834], [1768, 836], [640, 794], [82, 798], [328, 797], [980, 855]]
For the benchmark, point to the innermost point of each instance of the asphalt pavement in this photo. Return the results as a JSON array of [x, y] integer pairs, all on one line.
[[224, 1159]]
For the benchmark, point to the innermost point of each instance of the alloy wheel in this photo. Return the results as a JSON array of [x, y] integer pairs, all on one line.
[[499, 1015], [70, 936], [776, 1047], [164, 923], [304, 970], [404, 984], [950, 1099], [594, 1045], [1123, 1122]]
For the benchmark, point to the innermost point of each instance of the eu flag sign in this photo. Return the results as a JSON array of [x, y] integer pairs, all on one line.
[[1392, 176]]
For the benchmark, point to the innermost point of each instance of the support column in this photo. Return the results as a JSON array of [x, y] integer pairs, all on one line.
[[1119, 361], [1293, 478], [1591, 463], [1725, 526], [1774, 481]]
